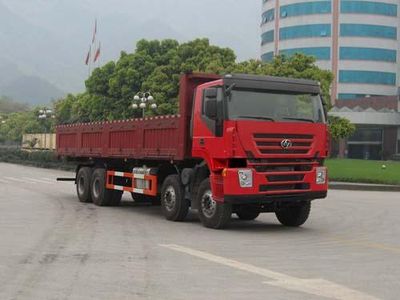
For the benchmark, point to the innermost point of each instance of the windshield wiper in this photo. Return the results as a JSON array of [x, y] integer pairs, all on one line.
[[257, 118], [299, 119]]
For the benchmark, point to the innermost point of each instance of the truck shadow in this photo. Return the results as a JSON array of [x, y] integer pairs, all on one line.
[[237, 225]]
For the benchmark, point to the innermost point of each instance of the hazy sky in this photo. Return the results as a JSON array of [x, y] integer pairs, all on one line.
[[62, 30]]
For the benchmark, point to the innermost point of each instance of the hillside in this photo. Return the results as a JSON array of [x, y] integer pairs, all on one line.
[[32, 90], [9, 106], [49, 39]]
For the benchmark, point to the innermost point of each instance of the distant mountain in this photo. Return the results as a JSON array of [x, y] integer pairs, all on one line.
[[9, 106], [32, 90], [48, 39]]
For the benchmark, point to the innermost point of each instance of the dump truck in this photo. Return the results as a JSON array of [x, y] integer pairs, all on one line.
[[240, 144]]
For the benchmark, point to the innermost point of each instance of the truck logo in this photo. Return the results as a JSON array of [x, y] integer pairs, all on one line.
[[286, 144]]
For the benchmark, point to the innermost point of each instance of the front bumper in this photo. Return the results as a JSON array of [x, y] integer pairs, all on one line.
[[268, 186], [267, 199]]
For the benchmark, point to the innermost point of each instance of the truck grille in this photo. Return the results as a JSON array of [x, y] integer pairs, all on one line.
[[283, 174], [270, 143]]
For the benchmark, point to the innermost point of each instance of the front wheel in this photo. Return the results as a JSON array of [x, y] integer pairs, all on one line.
[[294, 215], [211, 213]]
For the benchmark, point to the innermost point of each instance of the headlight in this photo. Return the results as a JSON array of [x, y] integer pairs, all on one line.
[[320, 177], [245, 178]]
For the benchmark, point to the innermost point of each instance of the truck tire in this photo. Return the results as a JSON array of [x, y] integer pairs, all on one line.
[[100, 195], [247, 213], [174, 205], [83, 179], [116, 197], [211, 213], [294, 215]]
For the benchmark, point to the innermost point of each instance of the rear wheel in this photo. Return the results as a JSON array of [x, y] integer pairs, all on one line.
[[83, 179], [173, 202], [247, 213], [100, 195], [211, 213], [294, 215]]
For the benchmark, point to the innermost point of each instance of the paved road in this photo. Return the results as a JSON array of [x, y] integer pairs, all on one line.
[[53, 247]]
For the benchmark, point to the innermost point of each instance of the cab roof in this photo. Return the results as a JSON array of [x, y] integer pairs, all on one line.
[[260, 82]]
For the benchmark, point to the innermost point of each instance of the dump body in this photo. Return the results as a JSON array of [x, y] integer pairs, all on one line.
[[158, 138]]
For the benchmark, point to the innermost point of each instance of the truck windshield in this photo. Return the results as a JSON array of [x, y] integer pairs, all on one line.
[[275, 106]]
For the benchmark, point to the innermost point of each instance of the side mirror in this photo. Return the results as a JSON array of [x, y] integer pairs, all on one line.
[[211, 93], [210, 109]]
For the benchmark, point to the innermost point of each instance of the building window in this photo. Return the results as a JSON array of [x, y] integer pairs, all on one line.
[[349, 96], [304, 31], [370, 77], [364, 30], [376, 54], [367, 7], [366, 143], [267, 37], [267, 57], [268, 16], [306, 8], [320, 53]]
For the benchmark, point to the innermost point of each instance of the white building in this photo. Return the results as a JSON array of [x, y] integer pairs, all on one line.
[[356, 39]]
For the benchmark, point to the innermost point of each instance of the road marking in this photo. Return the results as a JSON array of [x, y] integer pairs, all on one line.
[[35, 180], [367, 244], [14, 179], [49, 179], [318, 287]]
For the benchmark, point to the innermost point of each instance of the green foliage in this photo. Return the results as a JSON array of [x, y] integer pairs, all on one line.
[[14, 125], [42, 159], [340, 127], [295, 66], [156, 66]]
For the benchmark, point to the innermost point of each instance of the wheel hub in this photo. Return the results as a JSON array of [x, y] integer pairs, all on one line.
[[96, 188], [81, 185], [170, 198], [208, 204]]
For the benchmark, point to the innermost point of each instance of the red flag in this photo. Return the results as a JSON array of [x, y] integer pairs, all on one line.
[[88, 56], [94, 32], [97, 55]]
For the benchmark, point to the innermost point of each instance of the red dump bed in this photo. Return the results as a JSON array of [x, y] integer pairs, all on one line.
[[163, 137], [157, 137]]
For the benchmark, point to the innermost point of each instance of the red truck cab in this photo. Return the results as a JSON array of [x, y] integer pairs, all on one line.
[[264, 139], [241, 144]]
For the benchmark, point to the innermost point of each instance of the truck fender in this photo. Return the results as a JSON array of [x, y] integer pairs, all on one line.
[[200, 172]]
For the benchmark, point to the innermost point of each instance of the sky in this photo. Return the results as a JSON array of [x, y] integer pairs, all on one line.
[[50, 38]]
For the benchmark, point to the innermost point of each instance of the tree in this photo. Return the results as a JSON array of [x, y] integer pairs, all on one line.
[[155, 66], [16, 124], [340, 128]]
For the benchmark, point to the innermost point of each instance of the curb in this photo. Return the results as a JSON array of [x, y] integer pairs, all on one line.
[[353, 186]]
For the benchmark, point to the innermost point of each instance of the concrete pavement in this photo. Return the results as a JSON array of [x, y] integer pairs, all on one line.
[[53, 247]]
